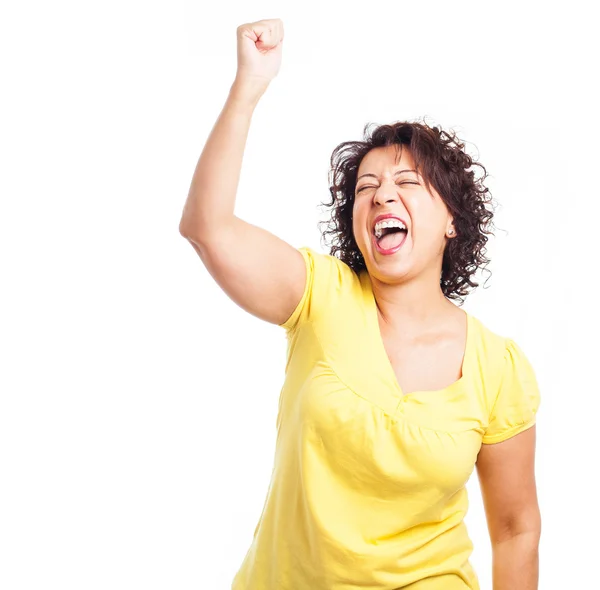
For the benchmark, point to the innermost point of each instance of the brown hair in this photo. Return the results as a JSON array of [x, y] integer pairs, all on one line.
[[440, 158]]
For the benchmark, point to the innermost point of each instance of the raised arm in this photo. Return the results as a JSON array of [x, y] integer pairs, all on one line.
[[262, 273]]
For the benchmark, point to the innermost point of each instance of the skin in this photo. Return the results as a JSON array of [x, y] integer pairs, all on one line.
[[506, 472]]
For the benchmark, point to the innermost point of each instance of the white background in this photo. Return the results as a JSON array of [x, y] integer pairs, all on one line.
[[138, 403]]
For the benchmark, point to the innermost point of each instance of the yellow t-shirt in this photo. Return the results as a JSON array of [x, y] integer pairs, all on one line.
[[368, 484]]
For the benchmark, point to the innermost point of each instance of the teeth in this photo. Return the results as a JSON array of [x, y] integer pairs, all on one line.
[[379, 226]]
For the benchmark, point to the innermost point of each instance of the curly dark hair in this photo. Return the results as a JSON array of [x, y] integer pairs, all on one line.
[[440, 158]]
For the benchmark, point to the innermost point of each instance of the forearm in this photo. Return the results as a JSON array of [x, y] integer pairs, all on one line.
[[211, 198], [516, 563]]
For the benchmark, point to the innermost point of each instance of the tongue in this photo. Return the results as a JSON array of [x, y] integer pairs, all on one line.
[[391, 240]]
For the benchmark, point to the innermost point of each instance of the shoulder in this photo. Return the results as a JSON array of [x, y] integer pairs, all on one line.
[[326, 267], [498, 350], [329, 283], [490, 345], [497, 357]]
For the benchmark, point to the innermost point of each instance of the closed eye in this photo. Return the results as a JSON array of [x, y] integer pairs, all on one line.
[[371, 186]]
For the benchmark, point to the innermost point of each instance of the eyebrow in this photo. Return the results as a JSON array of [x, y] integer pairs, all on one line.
[[374, 176]]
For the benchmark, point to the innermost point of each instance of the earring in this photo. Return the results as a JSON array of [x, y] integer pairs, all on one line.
[[450, 231]]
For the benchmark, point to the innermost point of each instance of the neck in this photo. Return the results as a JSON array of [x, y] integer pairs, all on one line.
[[416, 303]]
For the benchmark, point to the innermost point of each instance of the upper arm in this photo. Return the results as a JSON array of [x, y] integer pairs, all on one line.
[[506, 460], [506, 473], [260, 272]]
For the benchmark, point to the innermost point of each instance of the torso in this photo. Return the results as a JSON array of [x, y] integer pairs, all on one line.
[[427, 362]]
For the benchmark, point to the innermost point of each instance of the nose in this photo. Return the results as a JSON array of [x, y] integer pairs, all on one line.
[[386, 193]]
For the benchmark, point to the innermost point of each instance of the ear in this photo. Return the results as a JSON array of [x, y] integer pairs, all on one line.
[[450, 229]]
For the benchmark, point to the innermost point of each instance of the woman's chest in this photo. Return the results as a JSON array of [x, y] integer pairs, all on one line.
[[432, 386], [336, 427], [342, 404]]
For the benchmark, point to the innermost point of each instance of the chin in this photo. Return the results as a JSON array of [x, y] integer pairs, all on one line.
[[390, 266]]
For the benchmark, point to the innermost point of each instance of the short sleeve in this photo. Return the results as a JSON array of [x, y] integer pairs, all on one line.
[[325, 275], [518, 397]]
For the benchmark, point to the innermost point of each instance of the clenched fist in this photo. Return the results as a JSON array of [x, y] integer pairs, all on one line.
[[259, 47]]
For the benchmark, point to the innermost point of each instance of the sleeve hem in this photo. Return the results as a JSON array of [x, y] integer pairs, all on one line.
[[502, 436], [291, 322]]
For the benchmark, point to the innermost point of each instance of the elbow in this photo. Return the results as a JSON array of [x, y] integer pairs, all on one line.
[[201, 233], [183, 229], [189, 231], [197, 236]]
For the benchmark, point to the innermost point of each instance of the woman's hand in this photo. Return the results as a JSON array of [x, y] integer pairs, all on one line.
[[259, 46]]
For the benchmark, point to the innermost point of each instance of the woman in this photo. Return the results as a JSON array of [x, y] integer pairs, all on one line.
[[393, 394]]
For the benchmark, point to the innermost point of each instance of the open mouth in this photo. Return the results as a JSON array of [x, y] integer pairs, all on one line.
[[389, 235]]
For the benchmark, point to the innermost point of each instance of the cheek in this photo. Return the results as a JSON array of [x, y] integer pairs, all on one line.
[[356, 220], [358, 223], [426, 217]]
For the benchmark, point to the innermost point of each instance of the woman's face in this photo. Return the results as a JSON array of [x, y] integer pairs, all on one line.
[[390, 189]]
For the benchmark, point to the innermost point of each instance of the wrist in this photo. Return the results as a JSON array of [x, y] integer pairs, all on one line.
[[247, 90]]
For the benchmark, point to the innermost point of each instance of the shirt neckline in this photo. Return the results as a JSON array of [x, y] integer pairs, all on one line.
[[382, 358]]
